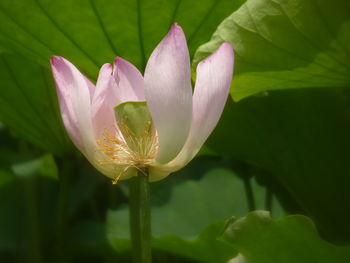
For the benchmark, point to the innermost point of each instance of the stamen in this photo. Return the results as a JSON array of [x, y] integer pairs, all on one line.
[[116, 179], [126, 149]]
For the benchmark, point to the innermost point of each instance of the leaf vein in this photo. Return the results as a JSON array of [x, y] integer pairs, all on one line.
[[305, 37], [103, 28], [286, 50], [59, 28], [201, 23], [140, 35], [26, 98]]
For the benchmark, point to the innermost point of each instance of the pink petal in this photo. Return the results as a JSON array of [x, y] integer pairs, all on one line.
[[103, 102], [214, 75], [91, 87], [169, 94], [74, 98], [129, 81]]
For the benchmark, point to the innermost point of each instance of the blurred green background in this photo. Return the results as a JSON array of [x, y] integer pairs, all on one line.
[[282, 144]]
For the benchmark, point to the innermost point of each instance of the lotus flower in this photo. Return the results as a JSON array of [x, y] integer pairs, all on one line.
[[153, 123]]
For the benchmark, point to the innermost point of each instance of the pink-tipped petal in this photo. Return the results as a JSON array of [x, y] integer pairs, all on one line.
[[169, 94], [104, 100], [214, 75], [213, 81], [74, 98], [129, 81]]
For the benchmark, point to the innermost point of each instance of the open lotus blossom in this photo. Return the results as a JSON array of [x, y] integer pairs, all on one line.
[[129, 122]]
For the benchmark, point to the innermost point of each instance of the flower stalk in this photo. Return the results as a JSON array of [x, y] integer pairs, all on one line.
[[140, 218]]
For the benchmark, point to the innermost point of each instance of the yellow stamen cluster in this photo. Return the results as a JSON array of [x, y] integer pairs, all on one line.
[[126, 150]]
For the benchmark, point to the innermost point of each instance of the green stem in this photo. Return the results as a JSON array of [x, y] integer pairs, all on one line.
[[249, 194], [140, 219], [34, 245], [66, 171], [268, 200]]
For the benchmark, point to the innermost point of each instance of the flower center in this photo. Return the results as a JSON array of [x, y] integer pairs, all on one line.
[[135, 144]]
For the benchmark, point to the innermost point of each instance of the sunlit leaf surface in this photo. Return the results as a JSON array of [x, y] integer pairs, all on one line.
[[183, 214], [286, 44], [290, 239]]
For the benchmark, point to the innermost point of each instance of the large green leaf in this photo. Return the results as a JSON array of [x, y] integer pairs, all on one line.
[[188, 214], [28, 103], [181, 213], [44, 166], [288, 240], [286, 44], [301, 137], [90, 33]]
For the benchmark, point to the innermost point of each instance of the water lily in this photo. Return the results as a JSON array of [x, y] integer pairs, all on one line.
[[153, 123]]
